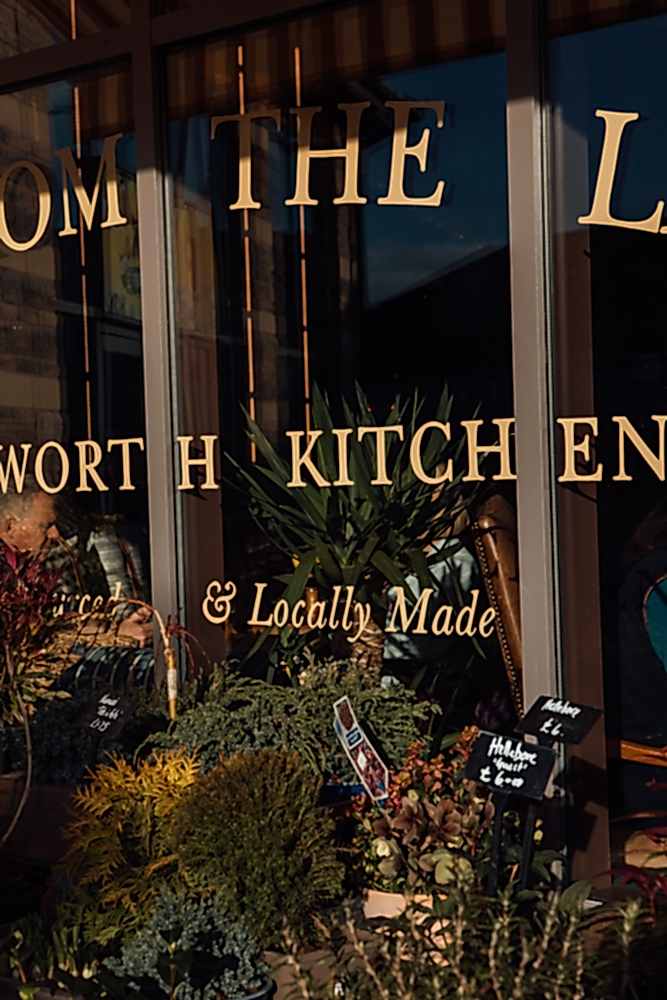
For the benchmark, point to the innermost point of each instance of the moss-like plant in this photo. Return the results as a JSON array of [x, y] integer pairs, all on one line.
[[120, 853], [251, 831], [190, 948], [238, 713]]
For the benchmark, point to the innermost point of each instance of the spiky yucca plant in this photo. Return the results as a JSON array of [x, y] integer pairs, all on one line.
[[364, 535]]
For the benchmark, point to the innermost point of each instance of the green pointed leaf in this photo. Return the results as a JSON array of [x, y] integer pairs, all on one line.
[[574, 897]]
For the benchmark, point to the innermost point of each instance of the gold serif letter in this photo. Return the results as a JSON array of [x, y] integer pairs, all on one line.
[[400, 152], [575, 447], [600, 213], [349, 152], [505, 425], [88, 205], [244, 122], [44, 210]]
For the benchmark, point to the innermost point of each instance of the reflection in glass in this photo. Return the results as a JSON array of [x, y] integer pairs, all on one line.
[[37, 24], [353, 302], [610, 300], [70, 340]]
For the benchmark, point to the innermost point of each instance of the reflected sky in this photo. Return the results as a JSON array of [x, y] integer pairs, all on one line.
[[619, 68], [406, 247], [403, 247]]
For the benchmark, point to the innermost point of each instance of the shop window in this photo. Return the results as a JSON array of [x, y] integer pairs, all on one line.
[[35, 24], [343, 287], [71, 376], [611, 361]]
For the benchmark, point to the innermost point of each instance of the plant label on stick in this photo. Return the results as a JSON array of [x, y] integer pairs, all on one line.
[[107, 714], [367, 763], [559, 720], [510, 766]]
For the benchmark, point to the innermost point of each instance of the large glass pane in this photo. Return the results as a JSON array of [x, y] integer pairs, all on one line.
[[28, 25], [71, 377], [382, 275], [608, 137]]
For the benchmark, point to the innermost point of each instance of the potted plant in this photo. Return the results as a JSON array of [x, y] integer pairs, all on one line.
[[187, 947], [366, 536], [252, 831], [239, 713], [431, 831], [121, 923], [28, 666], [120, 854], [494, 948]]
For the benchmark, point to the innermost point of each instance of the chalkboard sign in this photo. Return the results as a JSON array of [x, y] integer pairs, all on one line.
[[107, 713], [559, 720], [510, 766]]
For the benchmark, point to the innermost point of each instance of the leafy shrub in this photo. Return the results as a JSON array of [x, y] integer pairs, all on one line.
[[190, 948], [27, 628], [41, 948], [250, 830], [433, 825], [240, 714], [187, 948], [120, 853], [64, 750], [472, 947]]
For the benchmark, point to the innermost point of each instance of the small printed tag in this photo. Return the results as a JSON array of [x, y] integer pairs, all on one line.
[[367, 763]]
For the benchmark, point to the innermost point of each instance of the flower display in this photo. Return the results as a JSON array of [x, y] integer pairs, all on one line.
[[432, 829]]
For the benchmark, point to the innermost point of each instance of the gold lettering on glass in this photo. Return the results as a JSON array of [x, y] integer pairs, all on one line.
[[574, 448], [43, 211], [244, 122], [655, 462], [401, 151], [349, 153], [600, 213], [87, 205]]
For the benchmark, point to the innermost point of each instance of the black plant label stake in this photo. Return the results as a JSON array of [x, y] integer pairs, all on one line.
[[510, 767], [552, 721], [106, 714], [501, 801], [558, 720], [528, 845]]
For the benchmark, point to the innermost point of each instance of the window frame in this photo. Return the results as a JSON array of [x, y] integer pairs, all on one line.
[[144, 42]]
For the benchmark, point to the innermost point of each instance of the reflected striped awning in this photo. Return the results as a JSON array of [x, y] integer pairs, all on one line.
[[347, 43], [566, 17]]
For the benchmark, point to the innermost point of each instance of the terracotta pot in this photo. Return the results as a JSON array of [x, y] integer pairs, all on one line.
[[11, 788], [265, 992], [321, 964], [393, 904], [385, 904], [378, 903]]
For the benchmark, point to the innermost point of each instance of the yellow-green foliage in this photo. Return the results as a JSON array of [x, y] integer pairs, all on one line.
[[119, 854]]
